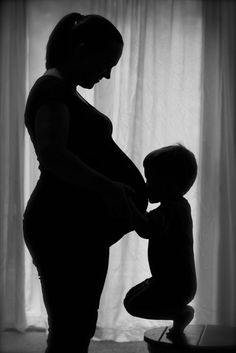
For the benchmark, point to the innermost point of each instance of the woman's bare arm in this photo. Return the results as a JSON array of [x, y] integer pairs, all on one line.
[[52, 123]]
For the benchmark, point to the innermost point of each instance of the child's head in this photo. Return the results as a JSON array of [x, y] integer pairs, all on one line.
[[170, 171]]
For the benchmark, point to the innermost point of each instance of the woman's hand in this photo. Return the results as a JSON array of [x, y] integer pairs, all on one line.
[[119, 215], [117, 201], [140, 221]]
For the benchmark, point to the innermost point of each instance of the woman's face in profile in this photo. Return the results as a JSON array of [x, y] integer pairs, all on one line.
[[91, 65]]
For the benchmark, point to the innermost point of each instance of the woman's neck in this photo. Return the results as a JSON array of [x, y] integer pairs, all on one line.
[[59, 73], [53, 72]]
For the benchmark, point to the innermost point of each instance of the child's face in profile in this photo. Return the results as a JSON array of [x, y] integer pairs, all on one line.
[[159, 187], [155, 188]]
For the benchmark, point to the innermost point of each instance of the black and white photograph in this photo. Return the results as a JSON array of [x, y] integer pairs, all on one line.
[[117, 176]]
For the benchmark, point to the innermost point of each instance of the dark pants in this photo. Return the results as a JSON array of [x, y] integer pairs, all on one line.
[[151, 300], [72, 299], [72, 265]]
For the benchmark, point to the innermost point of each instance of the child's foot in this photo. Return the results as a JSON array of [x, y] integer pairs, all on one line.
[[180, 322]]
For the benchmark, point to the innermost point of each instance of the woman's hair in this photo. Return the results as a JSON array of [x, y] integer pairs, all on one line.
[[175, 162], [73, 29]]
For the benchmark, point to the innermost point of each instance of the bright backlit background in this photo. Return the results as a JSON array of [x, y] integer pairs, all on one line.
[[173, 84]]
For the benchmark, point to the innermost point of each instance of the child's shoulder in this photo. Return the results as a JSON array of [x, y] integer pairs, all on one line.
[[157, 217], [177, 209], [178, 203], [170, 211]]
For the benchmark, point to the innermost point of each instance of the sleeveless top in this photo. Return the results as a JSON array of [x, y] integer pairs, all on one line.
[[90, 139]]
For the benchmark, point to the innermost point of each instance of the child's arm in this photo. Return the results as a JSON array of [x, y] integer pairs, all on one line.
[[140, 221], [148, 224]]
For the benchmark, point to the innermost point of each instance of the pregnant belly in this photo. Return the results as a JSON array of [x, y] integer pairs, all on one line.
[[126, 171], [116, 165], [91, 208], [83, 217]]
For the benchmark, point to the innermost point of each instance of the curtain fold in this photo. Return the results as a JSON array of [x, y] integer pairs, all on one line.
[[217, 203], [12, 102], [226, 299]]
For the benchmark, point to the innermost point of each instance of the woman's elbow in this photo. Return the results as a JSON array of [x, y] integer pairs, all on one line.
[[50, 157]]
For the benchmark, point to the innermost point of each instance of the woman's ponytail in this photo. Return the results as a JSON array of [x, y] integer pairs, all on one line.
[[74, 28], [59, 40]]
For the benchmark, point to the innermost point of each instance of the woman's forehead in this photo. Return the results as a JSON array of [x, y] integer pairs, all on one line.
[[111, 53]]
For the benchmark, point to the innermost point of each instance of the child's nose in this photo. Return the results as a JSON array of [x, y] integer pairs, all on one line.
[[107, 73]]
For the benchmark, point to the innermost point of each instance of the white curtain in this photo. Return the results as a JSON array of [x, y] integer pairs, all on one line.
[[217, 202], [175, 83], [12, 102]]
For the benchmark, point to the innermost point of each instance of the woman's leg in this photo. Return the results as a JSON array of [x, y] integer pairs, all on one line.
[[72, 273], [71, 297]]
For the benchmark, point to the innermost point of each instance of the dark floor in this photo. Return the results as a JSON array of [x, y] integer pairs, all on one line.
[[34, 342]]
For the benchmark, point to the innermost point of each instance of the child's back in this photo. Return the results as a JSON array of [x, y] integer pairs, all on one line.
[[170, 248]]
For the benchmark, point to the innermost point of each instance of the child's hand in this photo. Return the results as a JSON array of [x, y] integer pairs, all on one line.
[[117, 202]]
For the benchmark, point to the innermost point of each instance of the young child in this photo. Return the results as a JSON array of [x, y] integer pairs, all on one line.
[[170, 172]]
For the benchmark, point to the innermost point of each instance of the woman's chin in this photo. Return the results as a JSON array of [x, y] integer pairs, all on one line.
[[154, 200], [89, 84]]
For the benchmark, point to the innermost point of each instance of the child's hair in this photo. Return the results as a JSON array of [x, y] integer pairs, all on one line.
[[73, 29], [174, 161]]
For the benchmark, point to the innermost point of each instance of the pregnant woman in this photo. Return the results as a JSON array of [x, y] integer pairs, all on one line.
[[79, 206]]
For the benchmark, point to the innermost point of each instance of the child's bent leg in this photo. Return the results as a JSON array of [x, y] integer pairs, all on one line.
[[146, 302], [136, 299], [134, 292]]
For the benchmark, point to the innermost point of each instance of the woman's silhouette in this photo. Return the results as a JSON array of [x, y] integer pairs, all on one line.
[[79, 206]]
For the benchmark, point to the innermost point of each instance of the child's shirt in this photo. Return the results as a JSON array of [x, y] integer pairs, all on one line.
[[170, 248]]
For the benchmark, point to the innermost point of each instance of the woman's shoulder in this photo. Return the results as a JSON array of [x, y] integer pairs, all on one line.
[[47, 86], [45, 89]]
